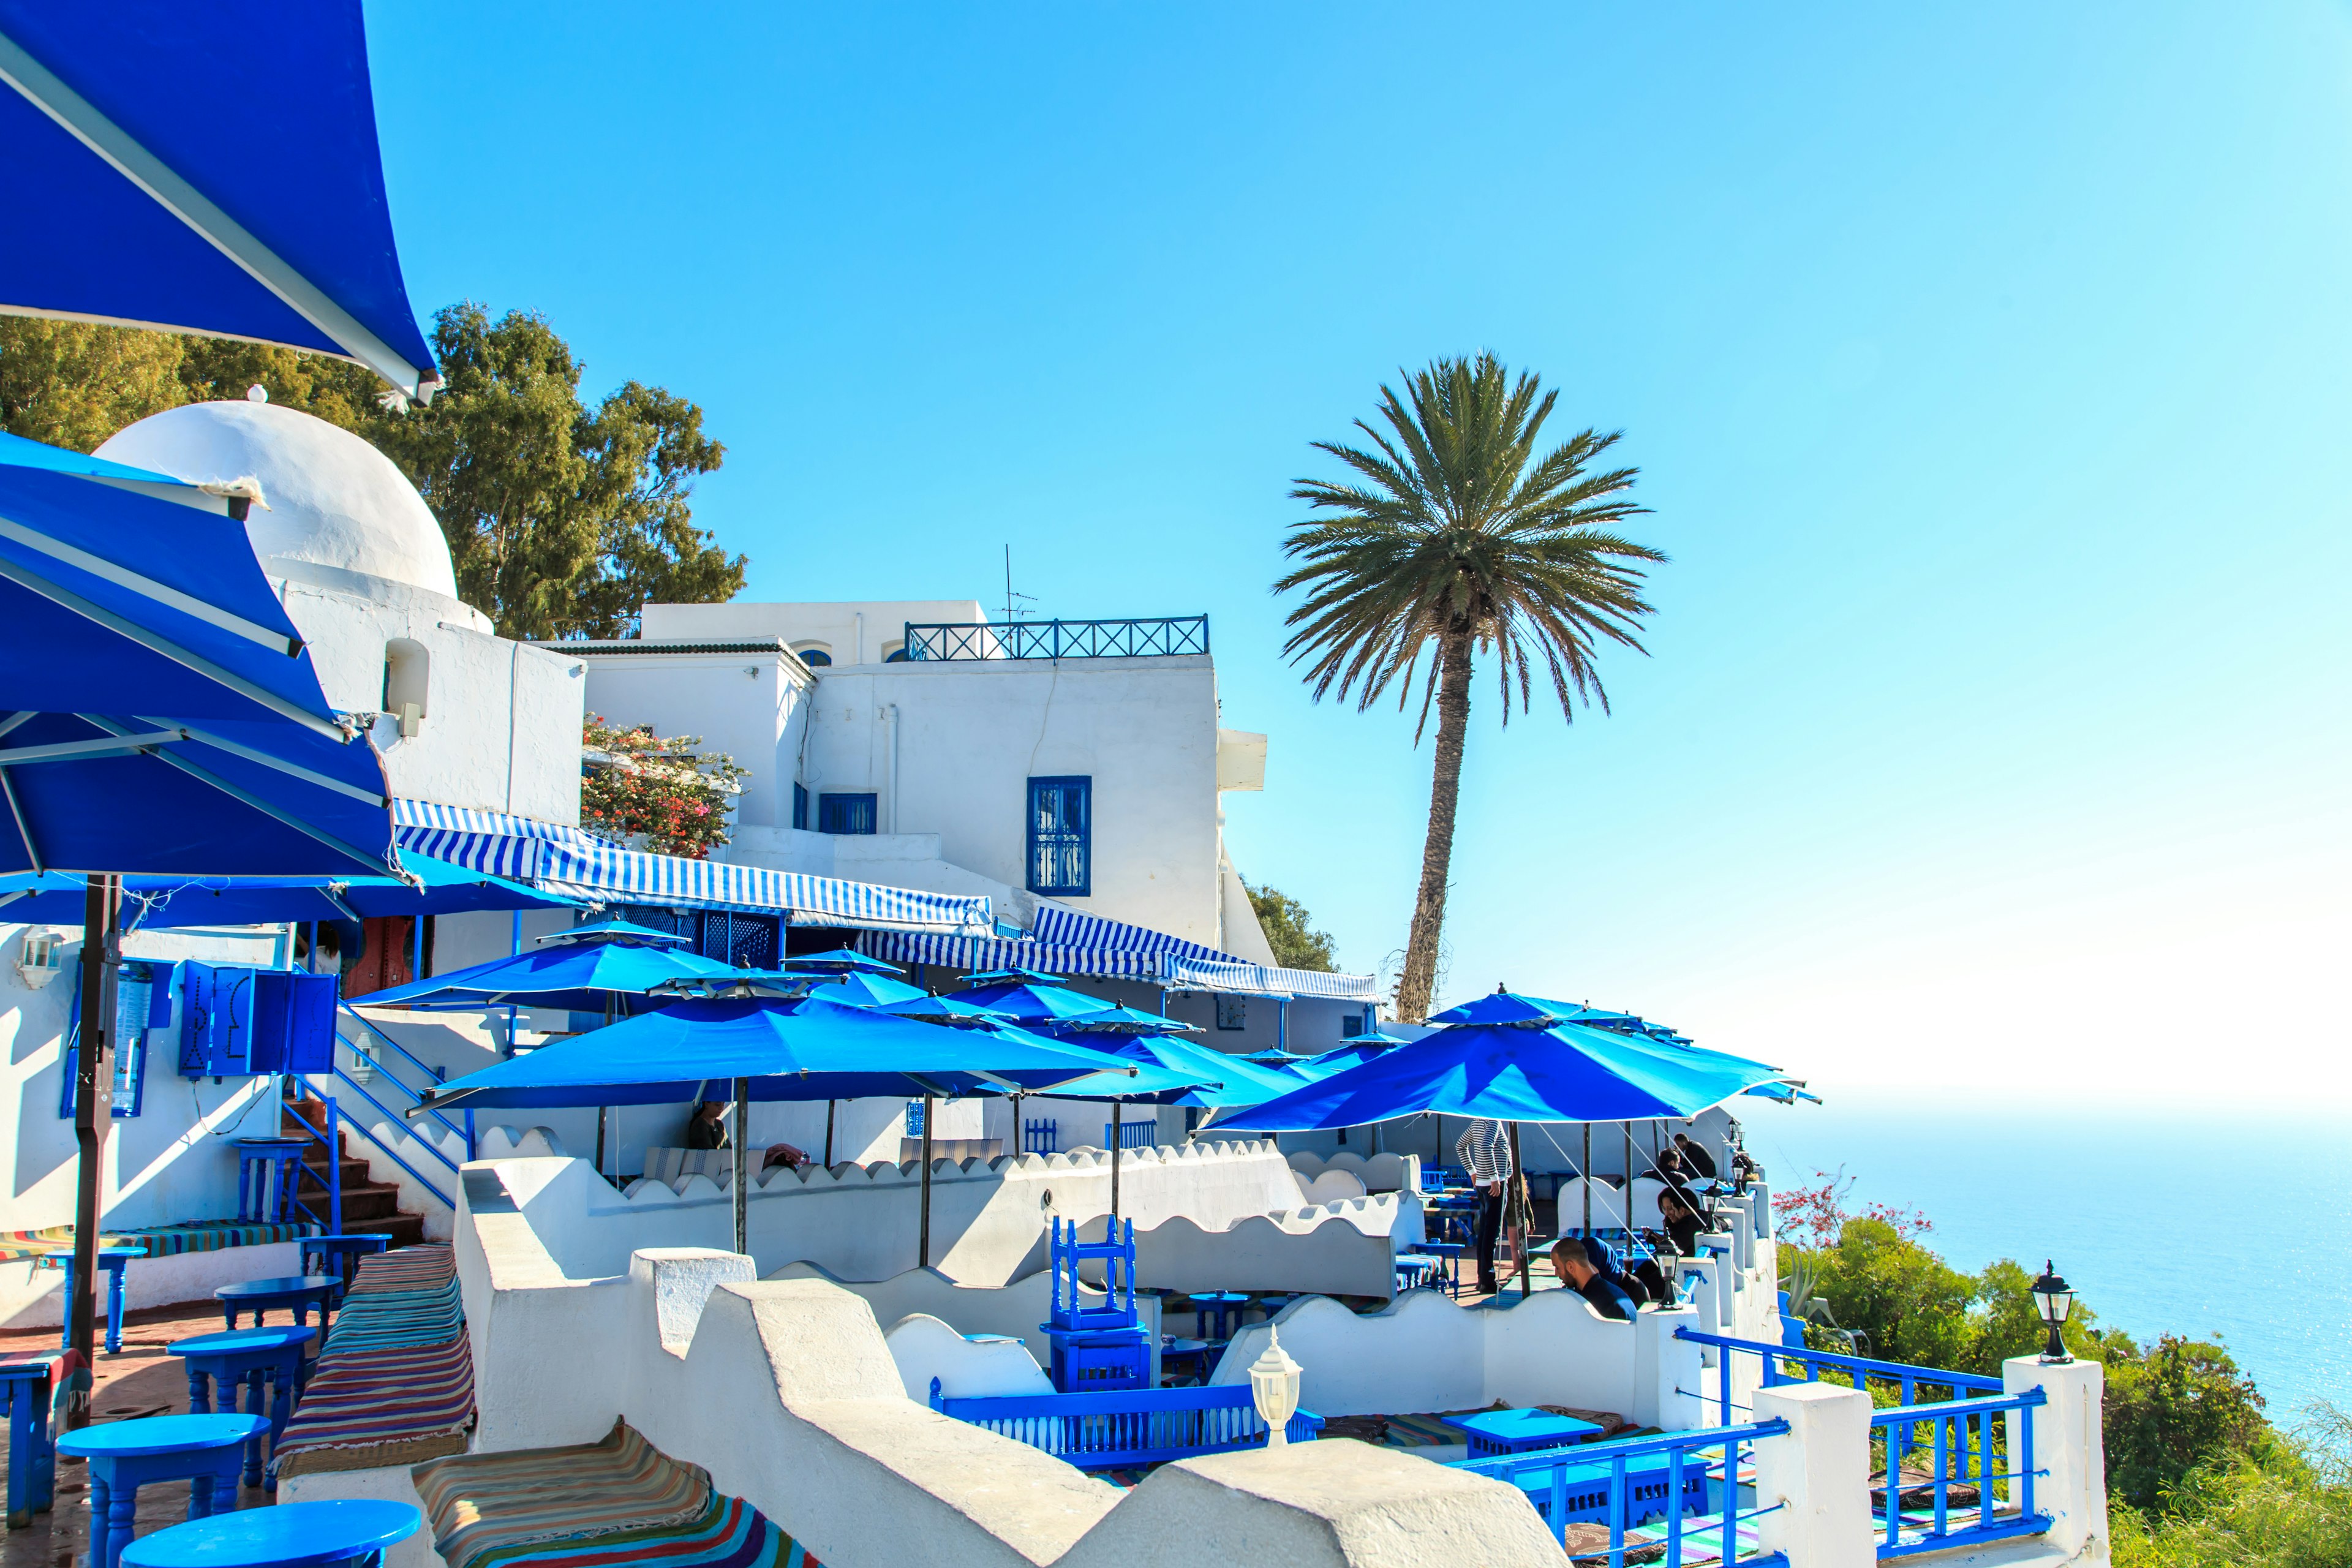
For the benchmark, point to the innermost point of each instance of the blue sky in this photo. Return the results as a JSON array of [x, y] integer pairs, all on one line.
[[1986, 367]]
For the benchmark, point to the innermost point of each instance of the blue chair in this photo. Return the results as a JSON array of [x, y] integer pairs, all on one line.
[[24, 1390], [113, 1258], [300, 1292], [340, 1254], [219, 1363], [1103, 1347], [124, 1456], [353, 1530]]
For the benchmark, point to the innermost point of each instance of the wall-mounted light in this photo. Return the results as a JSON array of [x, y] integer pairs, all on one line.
[[40, 956]]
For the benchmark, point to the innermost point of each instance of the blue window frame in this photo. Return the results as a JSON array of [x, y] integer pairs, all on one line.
[[845, 812], [799, 806], [144, 992], [1061, 836]]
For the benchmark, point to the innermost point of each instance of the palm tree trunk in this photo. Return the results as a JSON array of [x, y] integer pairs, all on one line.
[[1420, 977]]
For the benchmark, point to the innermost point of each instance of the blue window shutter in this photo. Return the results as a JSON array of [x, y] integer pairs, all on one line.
[[799, 806], [845, 812], [1061, 836]]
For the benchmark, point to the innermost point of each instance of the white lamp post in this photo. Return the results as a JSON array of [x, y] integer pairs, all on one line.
[[1274, 1384]]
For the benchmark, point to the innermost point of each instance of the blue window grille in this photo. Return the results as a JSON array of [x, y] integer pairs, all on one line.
[[914, 1119], [142, 1001], [730, 936], [846, 814], [1041, 1137], [1061, 836], [799, 806], [814, 657]]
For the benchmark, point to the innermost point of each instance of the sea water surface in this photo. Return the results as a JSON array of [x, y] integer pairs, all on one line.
[[2228, 1225]]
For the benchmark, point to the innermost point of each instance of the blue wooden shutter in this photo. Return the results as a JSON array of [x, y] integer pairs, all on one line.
[[1061, 836]]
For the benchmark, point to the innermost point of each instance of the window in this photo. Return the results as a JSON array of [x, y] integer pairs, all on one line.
[[1061, 836], [730, 936], [407, 678], [893, 652], [815, 655], [1232, 1012], [914, 1119], [144, 992], [844, 814], [799, 806]]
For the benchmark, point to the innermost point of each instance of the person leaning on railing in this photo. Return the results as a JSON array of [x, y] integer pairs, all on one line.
[[1576, 1271], [1485, 1148], [707, 1129]]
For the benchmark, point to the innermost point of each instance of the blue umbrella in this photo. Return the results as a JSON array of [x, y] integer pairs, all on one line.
[[1120, 1020], [1354, 1053], [205, 168], [165, 903], [1014, 975], [581, 971], [839, 961], [1033, 1001], [944, 1010], [1227, 1079], [861, 990]]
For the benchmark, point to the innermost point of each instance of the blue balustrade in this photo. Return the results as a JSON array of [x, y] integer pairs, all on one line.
[[1127, 1428], [1131, 1134], [1041, 1137], [1056, 639], [1982, 1448], [1687, 1484], [1860, 1371]]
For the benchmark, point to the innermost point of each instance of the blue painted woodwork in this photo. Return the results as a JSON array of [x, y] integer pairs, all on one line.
[[1964, 1450], [32, 1458], [1446, 1257], [292, 1535], [238, 1021], [1061, 835], [266, 1176], [124, 1456], [1132, 1134], [1057, 639], [1633, 1481], [1490, 1433], [799, 805], [1100, 1431], [814, 657], [249, 1357], [852, 813], [914, 1119], [298, 1291], [1218, 1312], [144, 989], [1041, 1137], [1095, 1348], [1909, 1378], [340, 1254], [112, 1258]]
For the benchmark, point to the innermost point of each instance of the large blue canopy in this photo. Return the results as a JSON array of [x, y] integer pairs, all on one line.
[[206, 168], [581, 976], [789, 1050], [1517, 1072], [160, 714], [1029, 1001], [1229, 1079], [159, 903]]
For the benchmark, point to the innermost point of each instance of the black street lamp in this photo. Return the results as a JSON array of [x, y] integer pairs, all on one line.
[[2053, 1298]]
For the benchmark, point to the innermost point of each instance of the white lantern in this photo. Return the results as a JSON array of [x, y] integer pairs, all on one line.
[[1274, 1382]]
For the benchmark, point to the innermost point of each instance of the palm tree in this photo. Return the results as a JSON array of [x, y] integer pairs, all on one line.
[[1454, 532]]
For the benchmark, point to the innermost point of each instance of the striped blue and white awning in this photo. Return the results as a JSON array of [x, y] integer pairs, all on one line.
[[1065, 942], [567, 861]]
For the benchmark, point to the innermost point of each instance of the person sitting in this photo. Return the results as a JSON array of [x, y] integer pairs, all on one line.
[[1644, 1282], [707, 1129], [1576, 1272], [1679, 1209], [1701, 1163]]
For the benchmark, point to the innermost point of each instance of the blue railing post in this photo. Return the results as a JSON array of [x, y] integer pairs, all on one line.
[[2025, 1461], [334, 1164]]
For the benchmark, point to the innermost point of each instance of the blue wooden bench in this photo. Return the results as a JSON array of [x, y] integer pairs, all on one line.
[[1129, 1426]]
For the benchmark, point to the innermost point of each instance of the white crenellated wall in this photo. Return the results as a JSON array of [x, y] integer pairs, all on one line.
[[1385, 1172], [1015, 1309], [925, 1350]]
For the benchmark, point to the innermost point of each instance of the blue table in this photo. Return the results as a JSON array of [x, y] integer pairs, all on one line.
[[112, 1256], [291, 1535], [1199, 1354], [1494, 1433], [298, 1291], [340, 1254], [126, 1455], [267, 1170], [1218, 1312], [219, 1363], [25, 1391], [1448, 1255]]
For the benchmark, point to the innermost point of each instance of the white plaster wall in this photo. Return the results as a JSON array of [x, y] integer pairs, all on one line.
[[924, 1349], [1016, 1308], [1384, 1173], [35, 1298], [854, 632], [748, 705]]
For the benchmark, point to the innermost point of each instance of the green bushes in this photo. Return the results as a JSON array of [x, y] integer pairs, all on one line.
[[2285, 1503]]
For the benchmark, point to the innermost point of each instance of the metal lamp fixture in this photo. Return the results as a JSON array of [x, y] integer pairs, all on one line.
[[1273, 1386], [2053, 1298]]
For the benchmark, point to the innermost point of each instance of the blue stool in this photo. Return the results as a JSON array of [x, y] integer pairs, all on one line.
[[24, 1388], [265, 1171], [126, 1455], [298, 1292], [340, 1254], [291, 1535], [112, 1257], [247, 1356]]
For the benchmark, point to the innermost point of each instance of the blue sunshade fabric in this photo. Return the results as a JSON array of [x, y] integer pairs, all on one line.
[[581, 976], [1513, 1073], [789, 1050], [162, 903], [1236, 1082], [207, 168]]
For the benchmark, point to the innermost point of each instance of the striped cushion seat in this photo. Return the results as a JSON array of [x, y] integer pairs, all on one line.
[[401, 1319], [731, 1533], [484, 1503], [405, 1269], [160, 1240], [366, 1408]]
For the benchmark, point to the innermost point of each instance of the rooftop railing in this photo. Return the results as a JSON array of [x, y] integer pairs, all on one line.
[[1686, 1492], [956, 642]]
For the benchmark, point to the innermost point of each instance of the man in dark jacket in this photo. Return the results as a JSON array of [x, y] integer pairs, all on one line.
[[1576, 1271], [1700, 1164]]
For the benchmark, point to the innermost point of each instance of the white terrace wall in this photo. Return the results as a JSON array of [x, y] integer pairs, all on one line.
[[1014, 1310]]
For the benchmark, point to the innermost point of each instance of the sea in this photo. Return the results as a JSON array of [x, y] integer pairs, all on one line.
[[2220, 1224]]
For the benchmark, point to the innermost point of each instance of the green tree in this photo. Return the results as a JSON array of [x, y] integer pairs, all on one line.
[[73, 384], [1290, 931], [2179, 1406], [1456, 537]]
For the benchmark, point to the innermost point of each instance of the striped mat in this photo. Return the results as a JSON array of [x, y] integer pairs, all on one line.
[[397, 1320], [730, 1534], [479, 1504], [161, 1240], [362, 1409], [405, 1269]]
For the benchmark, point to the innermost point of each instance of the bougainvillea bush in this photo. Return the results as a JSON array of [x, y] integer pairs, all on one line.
[[666, 794]]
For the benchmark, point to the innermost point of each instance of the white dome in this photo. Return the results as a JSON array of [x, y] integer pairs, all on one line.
[[328, 498]]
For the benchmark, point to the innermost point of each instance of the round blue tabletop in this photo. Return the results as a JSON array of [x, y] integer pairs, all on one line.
[[283, 1285], [237, 1340], [291, 1535], [161, 1434]]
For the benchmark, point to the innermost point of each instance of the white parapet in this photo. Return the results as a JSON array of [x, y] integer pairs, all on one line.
[[2068, 1451], [1814, 1478]]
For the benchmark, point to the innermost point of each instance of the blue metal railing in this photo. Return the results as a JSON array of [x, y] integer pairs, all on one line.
[[1123, 1428], [328, 1138], [1133, 1134], [1041, 1137], [1668, 1479], [427, 1068], [1862, 1369], [1057, 639], [1965, 1447], [369, 1133]]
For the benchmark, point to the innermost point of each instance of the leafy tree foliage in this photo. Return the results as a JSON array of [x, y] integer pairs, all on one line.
[[2284, 1502], [665, 793], [1290, 931], [561, 519], [2172, 1409]]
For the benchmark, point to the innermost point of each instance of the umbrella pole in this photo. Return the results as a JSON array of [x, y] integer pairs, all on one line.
[[924, 1245], [828, 1132], [1587, 1173], [1017, 1136], [1629, 1189], [101, 944], [1523, 1213], [742, 1162], [1114, 1162], [605, 1112]]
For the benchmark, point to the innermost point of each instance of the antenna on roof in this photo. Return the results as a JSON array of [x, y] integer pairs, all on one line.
[[1011, 610]]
